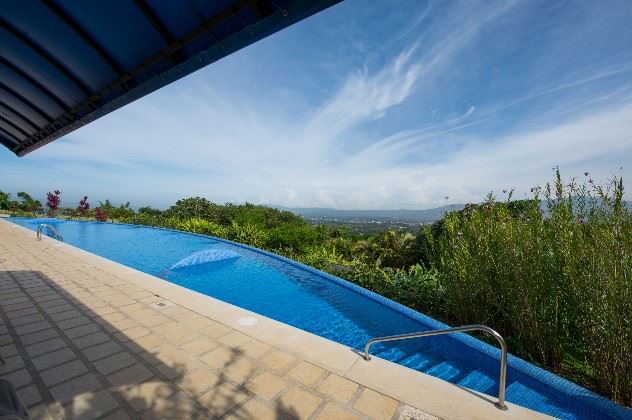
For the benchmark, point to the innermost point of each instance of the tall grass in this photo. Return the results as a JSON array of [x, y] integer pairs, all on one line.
[[555, 276]]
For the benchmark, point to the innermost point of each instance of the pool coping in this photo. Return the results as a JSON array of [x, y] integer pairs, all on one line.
[[430, 394]]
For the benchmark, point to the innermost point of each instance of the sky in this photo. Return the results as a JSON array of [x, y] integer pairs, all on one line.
[[370, 105]]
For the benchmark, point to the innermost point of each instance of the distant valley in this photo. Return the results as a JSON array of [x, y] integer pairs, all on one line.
[[371, 221]]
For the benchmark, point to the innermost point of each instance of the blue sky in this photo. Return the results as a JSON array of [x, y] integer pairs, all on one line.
[[381, 104]]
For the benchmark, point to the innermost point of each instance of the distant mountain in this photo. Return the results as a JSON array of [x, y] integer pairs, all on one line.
[[420, 216]]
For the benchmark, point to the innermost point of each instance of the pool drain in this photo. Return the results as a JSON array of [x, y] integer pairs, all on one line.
[[161, 304]]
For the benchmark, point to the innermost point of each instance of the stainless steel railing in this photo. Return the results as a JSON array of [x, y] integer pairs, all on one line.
[[55, 232], [503, 350]]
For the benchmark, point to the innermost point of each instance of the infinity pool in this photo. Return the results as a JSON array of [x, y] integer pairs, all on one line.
[[329, 307]]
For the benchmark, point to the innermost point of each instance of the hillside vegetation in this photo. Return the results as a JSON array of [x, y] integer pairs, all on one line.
[[553, 274]]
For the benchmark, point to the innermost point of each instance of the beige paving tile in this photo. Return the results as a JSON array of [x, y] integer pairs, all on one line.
[[144, 314], [333, 411], [254, 348], [298, 403], [267, 385], [144, 396], [163, 353], [279, 361], [199, 346], [253, 409], [306, 373], [123, 325], [338, 388], [376, 405], [222, 398], [198, 381], [214, 330], [154, 320], [221, 357], [240, 370], [132, 333], [234, 339], [172, 372], [149, 342], [177, 406]]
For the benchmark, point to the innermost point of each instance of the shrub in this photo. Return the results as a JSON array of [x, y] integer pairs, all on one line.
[[292, 238], [203, 227], [53, 199], [100, 215], [555, 282], [84, 206]]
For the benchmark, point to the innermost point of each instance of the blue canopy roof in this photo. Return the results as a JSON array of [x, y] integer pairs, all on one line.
[[65, 63]]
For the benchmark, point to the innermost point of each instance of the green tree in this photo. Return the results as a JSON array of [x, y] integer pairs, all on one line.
[[28, 203], [5, 200]]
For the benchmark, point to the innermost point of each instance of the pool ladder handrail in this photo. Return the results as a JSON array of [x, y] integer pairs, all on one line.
[[51, 228], [503, 346]]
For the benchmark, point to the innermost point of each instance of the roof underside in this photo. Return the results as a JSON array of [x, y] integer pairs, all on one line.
[[65, 63]]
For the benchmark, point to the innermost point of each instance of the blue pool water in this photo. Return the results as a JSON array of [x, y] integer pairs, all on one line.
[[328, 307]]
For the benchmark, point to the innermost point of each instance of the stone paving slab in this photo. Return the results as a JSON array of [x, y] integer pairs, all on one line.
[[84, 337]]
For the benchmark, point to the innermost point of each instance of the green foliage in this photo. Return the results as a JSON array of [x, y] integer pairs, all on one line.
[[28, 204], [197, 225], [263, 216], [149, 211], [249, 234], [292, 238], [396, 249], [196, 207], [555, 282], [122, 213], [414, 287], [5, 201]]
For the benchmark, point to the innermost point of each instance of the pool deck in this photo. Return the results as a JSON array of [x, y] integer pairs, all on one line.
[[85, 337]]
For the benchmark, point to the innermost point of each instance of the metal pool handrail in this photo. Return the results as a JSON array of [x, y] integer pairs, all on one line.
[[51, 228], [503, 347]]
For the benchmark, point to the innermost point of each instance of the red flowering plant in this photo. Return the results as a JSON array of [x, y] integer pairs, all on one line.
[[100, 215], [84, 206], [52, 201]]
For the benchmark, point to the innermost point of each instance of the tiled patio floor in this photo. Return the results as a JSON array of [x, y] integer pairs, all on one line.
[[81, 342]]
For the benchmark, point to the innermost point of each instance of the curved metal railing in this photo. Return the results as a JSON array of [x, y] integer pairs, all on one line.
[[55, 232], [503, 348]]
